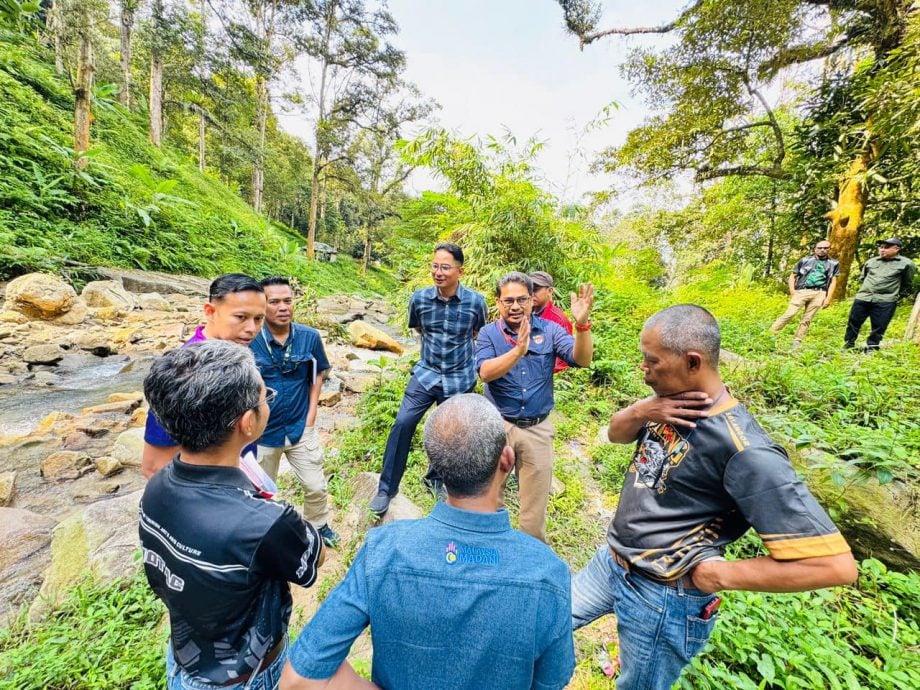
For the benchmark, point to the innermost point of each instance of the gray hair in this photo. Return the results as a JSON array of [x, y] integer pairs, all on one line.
[[197, 392], [464, 438], [514, 277], [688, 327]]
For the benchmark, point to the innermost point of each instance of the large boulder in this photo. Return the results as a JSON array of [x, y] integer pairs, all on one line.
[[108, 293], [24, 554], [154, 301], [129, 447], [64, 464], [42, 354], [101, 540], [39, 296], [364, 335], [151, 281]]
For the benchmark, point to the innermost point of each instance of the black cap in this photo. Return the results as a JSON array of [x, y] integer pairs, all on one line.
[[896, 241]]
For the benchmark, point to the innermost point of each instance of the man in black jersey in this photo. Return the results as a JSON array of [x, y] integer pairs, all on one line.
[[218, 553], [703, 473]]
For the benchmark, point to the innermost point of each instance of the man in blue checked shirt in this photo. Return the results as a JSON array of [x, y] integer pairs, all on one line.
[[448, 316]]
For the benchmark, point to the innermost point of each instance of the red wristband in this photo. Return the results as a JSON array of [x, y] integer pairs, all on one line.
[[582, 329]]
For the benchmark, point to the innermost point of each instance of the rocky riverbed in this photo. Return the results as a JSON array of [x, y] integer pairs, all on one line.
[[72, 413]]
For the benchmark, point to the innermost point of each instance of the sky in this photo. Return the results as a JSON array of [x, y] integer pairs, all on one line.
[[509, 65]]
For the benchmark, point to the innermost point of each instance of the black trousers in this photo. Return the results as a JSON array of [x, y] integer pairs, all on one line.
[[879, 315]]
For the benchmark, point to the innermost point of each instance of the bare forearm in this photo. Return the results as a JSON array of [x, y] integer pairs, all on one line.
[[765, 574], [344, 679], [497, 367], [625, 425], [155, 458], [791, 284], [584, 348]]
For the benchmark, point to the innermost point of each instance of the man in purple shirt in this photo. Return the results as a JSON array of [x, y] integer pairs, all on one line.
[[234, 311]]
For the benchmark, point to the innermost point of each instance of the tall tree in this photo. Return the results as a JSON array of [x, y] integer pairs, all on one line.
[[710, 85], [126, 25], [348, 43], [83, 84], [158, 31]]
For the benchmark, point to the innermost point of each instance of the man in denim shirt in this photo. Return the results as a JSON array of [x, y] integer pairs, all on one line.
[[448, 316], [455, 600]]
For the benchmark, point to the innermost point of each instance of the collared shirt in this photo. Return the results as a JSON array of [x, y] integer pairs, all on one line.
[[553, 313], [455, 600], [690, 492], [527, 389], [448, 327], [886, 280], [291, 369], [221, 557]]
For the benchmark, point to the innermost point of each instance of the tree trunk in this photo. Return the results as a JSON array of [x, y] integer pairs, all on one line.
[[366, 258], [202, 128], [83, 91], [847, 219], [258, 172], [156, 100], [127, 23], [55, 24], [318, 151], [913, 332], [314, 205]]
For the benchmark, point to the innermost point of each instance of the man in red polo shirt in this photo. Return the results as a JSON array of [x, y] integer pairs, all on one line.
[[544, 308]]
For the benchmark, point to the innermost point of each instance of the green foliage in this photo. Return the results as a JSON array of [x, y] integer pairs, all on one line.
[[100, 638]]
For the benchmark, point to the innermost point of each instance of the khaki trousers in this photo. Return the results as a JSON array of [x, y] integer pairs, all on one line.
[[810, 301], [306, 459], [533, 459]]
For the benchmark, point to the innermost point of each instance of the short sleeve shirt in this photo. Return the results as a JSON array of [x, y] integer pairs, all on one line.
[[689, 493], [526, 391], [220, 557], [291, 370], [448, 327]]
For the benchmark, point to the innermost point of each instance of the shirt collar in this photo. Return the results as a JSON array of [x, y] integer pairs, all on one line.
[[536, 324], [270, 338], [469, 520], [435, 295], [210, 474]]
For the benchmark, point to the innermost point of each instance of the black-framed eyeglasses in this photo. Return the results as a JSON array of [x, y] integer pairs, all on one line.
[[520, 301], [444, 268], [270, 395]]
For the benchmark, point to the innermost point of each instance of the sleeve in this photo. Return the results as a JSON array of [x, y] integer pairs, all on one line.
[[554, 667], [484, 348], [156, 435], [290, 550], [482, 315], [414, 320], [907, 279], [835, 269], [326, 640], [319, 353], [563, 343], [779, 507], [797, 267]]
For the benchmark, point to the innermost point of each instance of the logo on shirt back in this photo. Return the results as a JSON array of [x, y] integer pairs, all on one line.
[[458, 553]]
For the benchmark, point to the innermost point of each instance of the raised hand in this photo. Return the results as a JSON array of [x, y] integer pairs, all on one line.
[[523, 337], [581, 304], [680, 409]]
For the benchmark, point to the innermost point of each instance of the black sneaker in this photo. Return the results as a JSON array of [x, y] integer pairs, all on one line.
[[380, 503], [329, 536]]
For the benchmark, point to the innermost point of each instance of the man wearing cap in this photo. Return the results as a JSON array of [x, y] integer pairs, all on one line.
[[886, 278], [811, 285], [515, 357], [544, 308]]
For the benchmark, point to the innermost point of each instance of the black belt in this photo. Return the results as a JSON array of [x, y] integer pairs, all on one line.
[[526, 422]]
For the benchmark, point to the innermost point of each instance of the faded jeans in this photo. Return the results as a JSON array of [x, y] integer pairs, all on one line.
[[659, 626], [267, 679]]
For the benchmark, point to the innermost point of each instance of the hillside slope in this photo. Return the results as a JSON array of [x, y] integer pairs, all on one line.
[[135, 205]]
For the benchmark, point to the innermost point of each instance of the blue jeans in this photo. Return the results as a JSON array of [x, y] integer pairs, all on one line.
[[267, 679], [659, 626]]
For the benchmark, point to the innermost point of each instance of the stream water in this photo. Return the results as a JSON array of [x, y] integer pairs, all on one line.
[[83, 380]]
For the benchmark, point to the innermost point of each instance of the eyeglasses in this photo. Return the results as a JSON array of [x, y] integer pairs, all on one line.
[[444, 268], [520, 301], [270, 395], [825, 248]]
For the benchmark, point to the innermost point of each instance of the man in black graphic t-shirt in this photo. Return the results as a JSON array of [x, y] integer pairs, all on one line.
[[217, 553], [703, 473]]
